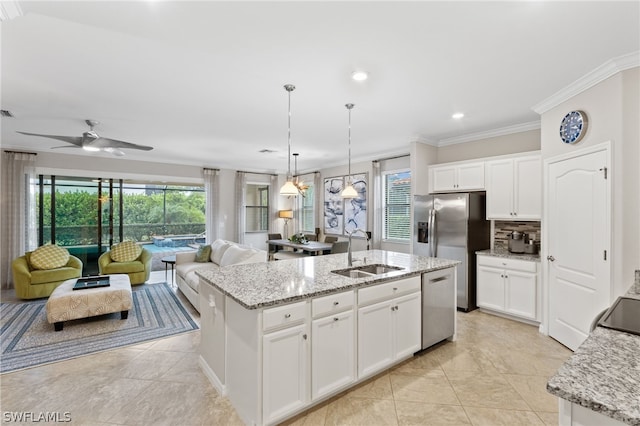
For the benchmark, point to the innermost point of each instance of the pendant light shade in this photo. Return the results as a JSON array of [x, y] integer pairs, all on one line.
[[349, 191], [289, 188]]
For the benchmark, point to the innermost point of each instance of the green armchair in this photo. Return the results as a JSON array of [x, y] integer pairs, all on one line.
[[32, 283], [138, 270]]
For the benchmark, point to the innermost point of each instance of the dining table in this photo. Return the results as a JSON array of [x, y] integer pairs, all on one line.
[[311, 247]]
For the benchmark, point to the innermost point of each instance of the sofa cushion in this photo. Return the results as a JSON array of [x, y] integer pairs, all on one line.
[[203, 254], [126, 251], [218, 248], [49, 256], [235, 255], [53, 275], [123, 267]]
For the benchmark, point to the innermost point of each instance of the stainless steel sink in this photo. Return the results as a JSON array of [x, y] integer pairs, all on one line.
[[364, 271]]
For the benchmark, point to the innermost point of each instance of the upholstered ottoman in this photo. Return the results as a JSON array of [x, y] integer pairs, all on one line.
[[67, 304]]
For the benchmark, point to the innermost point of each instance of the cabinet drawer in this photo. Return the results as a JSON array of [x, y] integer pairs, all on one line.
[[331, 304], [388, 290], [506, 263], [286, 315]]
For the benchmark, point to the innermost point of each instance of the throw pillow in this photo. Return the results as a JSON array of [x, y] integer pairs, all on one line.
[[218, 247], [235, 255], [49, 256], [203, 254], [126, 251]]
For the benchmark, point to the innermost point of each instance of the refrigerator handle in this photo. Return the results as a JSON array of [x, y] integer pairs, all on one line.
[[432, 217]]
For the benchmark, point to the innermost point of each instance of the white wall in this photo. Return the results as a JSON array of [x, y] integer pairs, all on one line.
[[612, 108], [498, 145]]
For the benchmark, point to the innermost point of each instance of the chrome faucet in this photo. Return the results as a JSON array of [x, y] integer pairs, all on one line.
[[349, 259]]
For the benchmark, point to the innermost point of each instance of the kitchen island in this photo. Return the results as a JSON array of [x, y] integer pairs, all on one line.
[[600, 384], [280, 337]]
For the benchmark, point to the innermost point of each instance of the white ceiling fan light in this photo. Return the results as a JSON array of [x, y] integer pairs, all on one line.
[[359, 75]]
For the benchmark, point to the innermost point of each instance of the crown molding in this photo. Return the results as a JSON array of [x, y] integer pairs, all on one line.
[[9, 9], [518, 128], [422, 139], [604, 71]]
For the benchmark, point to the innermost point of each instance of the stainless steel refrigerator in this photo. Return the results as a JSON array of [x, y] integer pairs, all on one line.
[[453, 226]]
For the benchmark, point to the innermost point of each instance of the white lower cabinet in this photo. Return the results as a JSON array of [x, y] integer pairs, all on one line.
[[508, 286], [389, 329], [333, 353], [285, 369]]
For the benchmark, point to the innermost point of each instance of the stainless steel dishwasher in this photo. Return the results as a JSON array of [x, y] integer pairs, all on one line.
[[438, 306]]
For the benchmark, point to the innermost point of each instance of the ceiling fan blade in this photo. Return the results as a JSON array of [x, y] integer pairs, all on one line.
[[113, 143], [75, 140], [66, 146]]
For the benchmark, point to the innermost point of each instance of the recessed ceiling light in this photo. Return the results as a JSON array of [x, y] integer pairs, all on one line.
[[457, 115], [359, 75]]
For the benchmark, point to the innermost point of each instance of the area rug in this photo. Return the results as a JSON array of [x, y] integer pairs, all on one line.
[[28, 340]]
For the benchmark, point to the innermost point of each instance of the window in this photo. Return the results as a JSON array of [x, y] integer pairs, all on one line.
[[257, 208], [306, 209], [397, 206]]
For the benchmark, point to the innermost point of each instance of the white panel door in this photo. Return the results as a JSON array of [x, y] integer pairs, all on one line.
[[285, 367], [443, 178], [527, 193], [490, 288], [470, 176], [375, 338], [333, 353], [578, 236], [521, 291], [500, 189], [407, 324]]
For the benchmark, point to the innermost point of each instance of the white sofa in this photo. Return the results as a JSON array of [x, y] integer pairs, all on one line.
[[223, 253]]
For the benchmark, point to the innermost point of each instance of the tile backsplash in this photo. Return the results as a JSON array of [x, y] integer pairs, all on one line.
[[502, 229]]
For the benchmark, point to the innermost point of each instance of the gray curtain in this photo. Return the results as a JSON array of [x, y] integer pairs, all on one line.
[[377, 196], [212, 207], [274, 193], [241, 203], [18, 220]]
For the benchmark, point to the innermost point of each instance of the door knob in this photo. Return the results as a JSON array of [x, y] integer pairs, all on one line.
[[551, 258]]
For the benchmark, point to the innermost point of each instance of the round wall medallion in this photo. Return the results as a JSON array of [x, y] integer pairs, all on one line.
[[573, 126]]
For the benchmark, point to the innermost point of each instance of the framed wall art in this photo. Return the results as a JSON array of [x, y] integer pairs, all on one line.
[[345, 215]]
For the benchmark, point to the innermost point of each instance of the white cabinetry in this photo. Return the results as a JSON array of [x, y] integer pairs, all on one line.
[[457, 177], [285, 361], [508, 286], [333, 351], [514, 188], [389, 322]]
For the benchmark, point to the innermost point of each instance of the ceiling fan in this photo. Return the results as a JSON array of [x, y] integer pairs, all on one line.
[[91, 141]]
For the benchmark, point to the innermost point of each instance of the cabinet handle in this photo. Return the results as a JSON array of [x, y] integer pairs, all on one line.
[[336, 303], [287, 315], [506, 276], [336, 319], [304, 336], [395, 289], [393, 308], [501, 275]]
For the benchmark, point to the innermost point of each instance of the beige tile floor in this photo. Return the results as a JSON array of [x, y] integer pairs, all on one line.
[[494, 374]]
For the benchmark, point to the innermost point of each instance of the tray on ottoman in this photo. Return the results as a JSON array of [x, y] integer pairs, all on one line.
[[91, 282], [64, 304]]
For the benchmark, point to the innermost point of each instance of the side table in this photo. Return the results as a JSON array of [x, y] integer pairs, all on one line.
[[169, 260]]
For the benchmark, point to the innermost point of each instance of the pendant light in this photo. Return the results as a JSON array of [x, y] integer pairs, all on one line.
[[297, 182], [289, 189], [349, 191]]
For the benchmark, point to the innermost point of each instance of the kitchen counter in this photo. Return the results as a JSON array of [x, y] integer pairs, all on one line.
[[503, 252], [264, 284], [603, 374]]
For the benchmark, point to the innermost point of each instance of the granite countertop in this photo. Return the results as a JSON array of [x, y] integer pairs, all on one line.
[[264, 284], [503, 252], [603, 374]]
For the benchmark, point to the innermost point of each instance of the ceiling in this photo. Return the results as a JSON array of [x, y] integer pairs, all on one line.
[[202, 82]]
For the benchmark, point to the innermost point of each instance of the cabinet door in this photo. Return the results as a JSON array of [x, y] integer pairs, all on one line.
[[375, 338], [407, 324], [443, 178], [528, 188], [333, 353], [521, 293], [490, 288], [500, 189], [285, 370], [470, 176]]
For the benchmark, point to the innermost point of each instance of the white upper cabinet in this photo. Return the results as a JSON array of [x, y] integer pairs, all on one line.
[[457, 177], [514, 188]]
